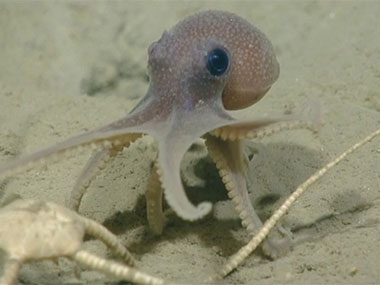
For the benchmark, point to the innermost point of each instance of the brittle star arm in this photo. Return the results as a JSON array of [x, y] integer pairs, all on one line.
[[246, 250], [115, 269], [83, 257], [99, 231]]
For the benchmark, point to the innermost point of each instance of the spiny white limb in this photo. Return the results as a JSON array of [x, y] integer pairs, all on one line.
[[97, 230], [10, 271], [115, 269], [245, 251]]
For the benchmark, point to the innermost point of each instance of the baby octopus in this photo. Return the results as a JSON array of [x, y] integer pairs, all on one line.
[[207, 64]]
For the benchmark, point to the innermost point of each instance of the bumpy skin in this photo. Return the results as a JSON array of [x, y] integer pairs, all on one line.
[[184, 102], [180, 55]]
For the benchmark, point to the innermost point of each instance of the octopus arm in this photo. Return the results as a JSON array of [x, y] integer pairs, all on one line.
[[169, 160], [104, 137]]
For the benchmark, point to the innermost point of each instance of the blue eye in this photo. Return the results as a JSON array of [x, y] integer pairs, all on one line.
[[217, 62]]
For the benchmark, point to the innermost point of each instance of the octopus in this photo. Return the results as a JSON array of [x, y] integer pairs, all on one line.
[[207, 65]]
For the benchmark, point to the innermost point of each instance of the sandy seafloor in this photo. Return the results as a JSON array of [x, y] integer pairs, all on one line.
[[67, 67]]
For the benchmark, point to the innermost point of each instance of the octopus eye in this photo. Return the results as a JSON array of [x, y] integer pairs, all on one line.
[[217, 62]]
